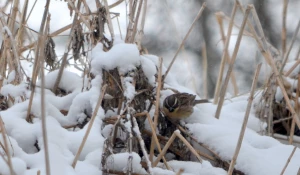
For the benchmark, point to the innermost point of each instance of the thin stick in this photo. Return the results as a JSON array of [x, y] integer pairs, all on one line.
[[170, 141], [156, 113], [281, 120], [185, 38], [141, 32], [204, 71], [220, 17], [142, 144], [43, 111], [225, 53], [290, 47], [136, 22], [7, 151], [283, 32], [90, 125], [298, 54], [293, 67], [189, 146], [230, 68], [109, 22], [37, 54], [288, 161], [64, 58], [156, 140], [268, 57], [297, 111], [243, 128]]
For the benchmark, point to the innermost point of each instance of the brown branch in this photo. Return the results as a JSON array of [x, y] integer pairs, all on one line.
[[230, 68], [103, 89], [185, 38], [244, 125], [225, 53], [288, 161]]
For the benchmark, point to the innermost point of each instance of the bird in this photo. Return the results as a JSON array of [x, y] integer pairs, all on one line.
[[180, 105]]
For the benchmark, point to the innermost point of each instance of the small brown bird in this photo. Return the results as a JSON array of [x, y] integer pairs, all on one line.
[[180, 106]]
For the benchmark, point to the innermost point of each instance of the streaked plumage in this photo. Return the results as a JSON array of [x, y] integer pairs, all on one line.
[[180, 106]]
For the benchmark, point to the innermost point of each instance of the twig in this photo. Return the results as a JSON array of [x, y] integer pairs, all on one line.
[[293, 67], [109, 22], [37, 54], [43, 111], [230, 68], [220, 17], [7, 151], [283, 32], [142, 144], [90, 125], [64, 58], [268, 57], [189, 146], [170, 141], [185, 38], [136, 22], [290, 47], [243, 128], [204, 71], [288, 161], [156, 139], [281, 120], [157, 98], [292, 131], [225, 53]]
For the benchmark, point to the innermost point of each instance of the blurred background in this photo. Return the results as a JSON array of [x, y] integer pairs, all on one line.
[[168, 21]]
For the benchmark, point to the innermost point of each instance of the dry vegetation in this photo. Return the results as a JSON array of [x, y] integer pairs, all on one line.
[[88, 29]]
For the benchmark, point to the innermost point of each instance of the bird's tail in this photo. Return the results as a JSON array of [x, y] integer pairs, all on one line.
[[201, 101]]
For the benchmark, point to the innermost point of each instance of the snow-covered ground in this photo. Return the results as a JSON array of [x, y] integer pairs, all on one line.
[[259, 155]]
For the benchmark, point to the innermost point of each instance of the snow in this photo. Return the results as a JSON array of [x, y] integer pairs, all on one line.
[[259, 155]]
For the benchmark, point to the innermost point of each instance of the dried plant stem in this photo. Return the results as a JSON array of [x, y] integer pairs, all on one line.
[[185, 38], [189, 146], [297, 111], [90, 125], [109, 22], [156, 140], [230, 68], [136, 22], [36, 62], [244, 125], [232, 78], [64, 58], [204, 71], [142, 144], [141, 32], [283, 32], [292, 68], [194, 139], [19, 37], [7, 151], [268, 57], [288, 161], [225, 53], [298, 54], [290, 47], [156, 113], [43, 110], [180, 171], [11, 22], [132, 11], [168, 144]]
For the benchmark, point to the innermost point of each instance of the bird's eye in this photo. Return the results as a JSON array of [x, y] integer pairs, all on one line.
[[171, 109]]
